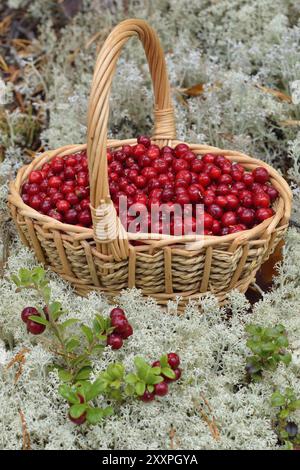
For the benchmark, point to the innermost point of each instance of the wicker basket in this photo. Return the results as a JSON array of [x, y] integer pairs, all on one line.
[[161, 267]]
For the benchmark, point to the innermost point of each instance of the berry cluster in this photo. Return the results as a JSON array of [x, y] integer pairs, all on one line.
[[234, 199], [122, 328], [161, 389], [32, 326], [61, 190]]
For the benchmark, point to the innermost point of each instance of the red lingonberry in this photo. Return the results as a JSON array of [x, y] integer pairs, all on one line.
[[28, 312], [260, 175], [229, 218], [147, 396], [35, 328], [263, 213], [180, 150], [115, 341], [161, 389], [261, 199], [173, 360]]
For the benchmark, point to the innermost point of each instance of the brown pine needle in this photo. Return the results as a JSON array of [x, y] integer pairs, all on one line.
[[172, 436], [19, 359], [208, 418], [25, 433], [277, 93]]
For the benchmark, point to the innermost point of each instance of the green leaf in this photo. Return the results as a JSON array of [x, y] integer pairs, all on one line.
[[15, 279], [97, 388], [25, 276], [88, 333], [84, 373], [277, 399], [131, 378], [150, 388], [47, 293], [40, 320], [168, 372], [129, 390], [68, 323], [140, 388], [285, 358], [94, 415], [72, 344], [77, 410], [164, 361], [65, 376], [108, 411], [156, 370], [38, 274], [67, 393], [283, 414]]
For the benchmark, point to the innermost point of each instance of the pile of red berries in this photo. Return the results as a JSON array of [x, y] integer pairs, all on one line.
[[122, 328], [161, 389], [60, 189], [32, 327], [233, 198]]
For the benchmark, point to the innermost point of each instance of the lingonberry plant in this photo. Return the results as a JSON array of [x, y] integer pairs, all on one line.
[[268, 345], [146, 176], [76, 353], [287, 430]]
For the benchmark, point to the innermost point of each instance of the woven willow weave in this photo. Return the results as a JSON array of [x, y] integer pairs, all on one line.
[[161, 267]]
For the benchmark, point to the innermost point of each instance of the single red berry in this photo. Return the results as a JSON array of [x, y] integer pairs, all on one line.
[[225, 179], [204, 179], [71, 160], [85, 218], [180, 150], [153, 152], [272, 192], [215, 211], [62, 205], [248, 179], [264, 213], [178, 373], [179, 165], [208, 158], [115, 341], [207, 220], [55, 182], [246, 216], [147, 396], [35, 177], [71, 216], [57, 165], [46, 206], [139, 150], [117, 311], [229, 218], [173, 360], [119, 323], [55, 215], [215, 173], [127, 331], [194, 193], [216, 227], [33, 188], [28, 312], [197, 165], [35, 328], [221, 201], [261, 199], [161, 389], [260, 175], [26, 198], [232, 201], [35, 201], [69, 173], [144, 140], [223, 189]]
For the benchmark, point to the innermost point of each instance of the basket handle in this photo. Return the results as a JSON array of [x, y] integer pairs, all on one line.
[[164, 128]]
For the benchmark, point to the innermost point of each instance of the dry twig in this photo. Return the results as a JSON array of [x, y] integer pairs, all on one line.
[[208, 417], [25, 433], [20, 359]]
